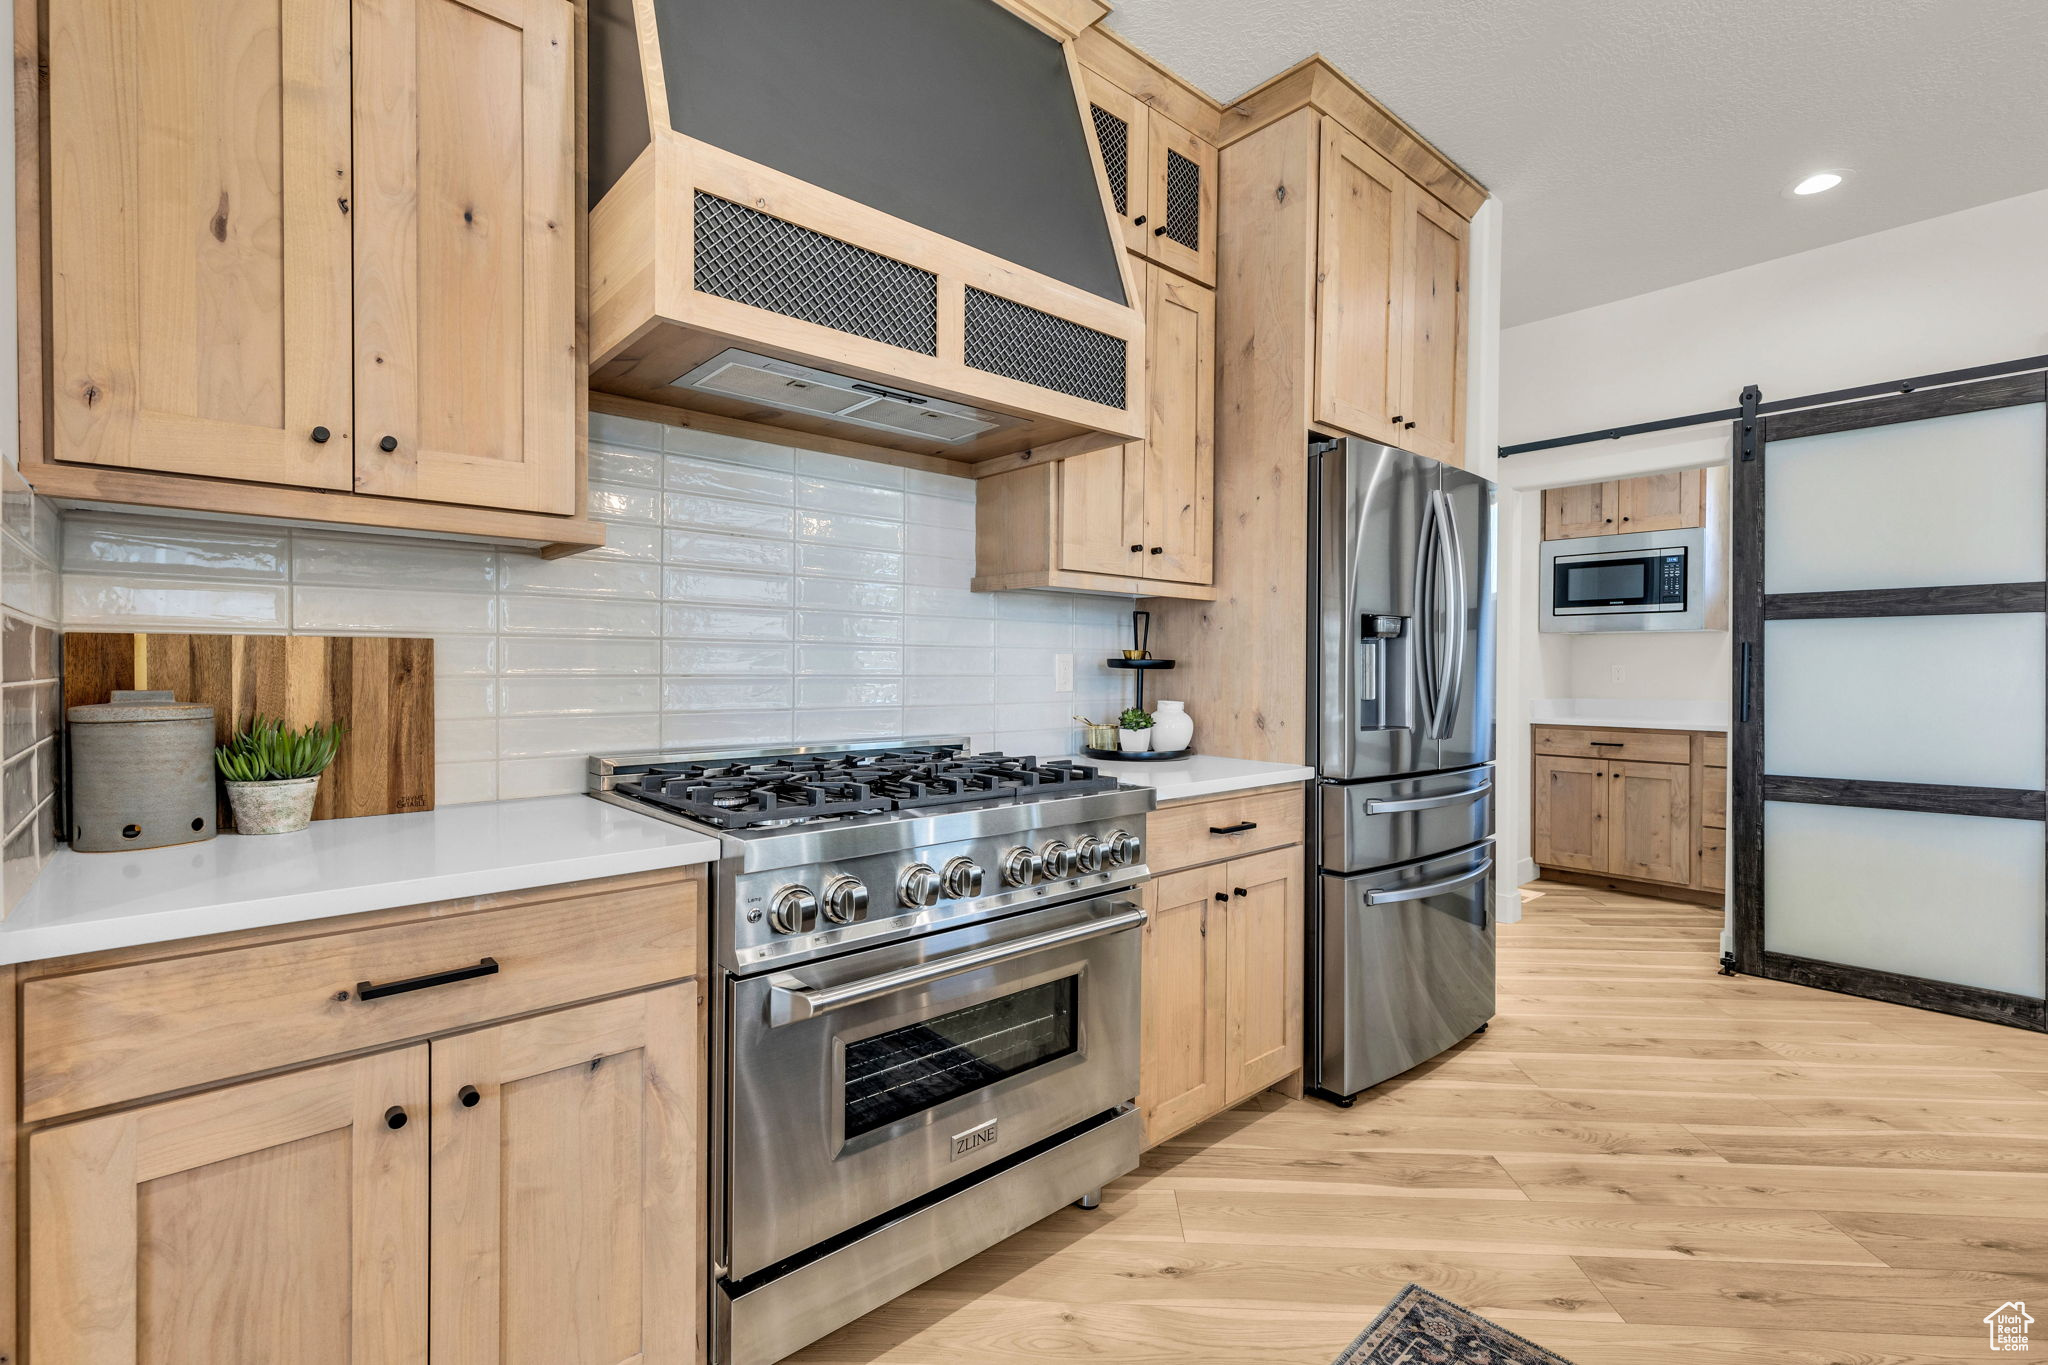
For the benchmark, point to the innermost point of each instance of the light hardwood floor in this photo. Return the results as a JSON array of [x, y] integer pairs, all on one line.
[[1641, 1163]]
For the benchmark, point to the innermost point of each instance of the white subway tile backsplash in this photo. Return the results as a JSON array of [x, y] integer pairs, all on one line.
[[750, 595], [133, 603], [391, 611], [541, 655]]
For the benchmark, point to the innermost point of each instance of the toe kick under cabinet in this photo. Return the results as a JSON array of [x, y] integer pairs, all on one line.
[[467, 1131], [1633, 809], [1223, 956]]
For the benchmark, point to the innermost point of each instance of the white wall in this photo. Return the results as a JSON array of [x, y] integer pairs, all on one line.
[[1968, 288]]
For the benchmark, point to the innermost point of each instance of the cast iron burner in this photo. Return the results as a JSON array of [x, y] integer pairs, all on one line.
[[805, 788]]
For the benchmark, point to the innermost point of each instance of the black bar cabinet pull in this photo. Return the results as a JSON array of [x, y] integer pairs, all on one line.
[[1608, 743], [469, 1097], [486, 967], [1234, 829]]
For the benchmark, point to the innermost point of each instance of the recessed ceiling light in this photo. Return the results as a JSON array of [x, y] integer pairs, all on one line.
[[1820, 182]]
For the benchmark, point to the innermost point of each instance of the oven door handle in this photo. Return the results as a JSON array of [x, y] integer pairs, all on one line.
[[792, 1004]]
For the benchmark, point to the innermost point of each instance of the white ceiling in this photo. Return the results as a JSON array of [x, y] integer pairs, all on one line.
[[1637, 144]]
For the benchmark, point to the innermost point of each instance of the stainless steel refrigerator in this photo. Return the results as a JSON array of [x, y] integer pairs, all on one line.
[[1401, 933]]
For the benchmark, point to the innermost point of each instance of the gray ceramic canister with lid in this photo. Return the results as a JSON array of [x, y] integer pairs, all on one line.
[[141, 773]]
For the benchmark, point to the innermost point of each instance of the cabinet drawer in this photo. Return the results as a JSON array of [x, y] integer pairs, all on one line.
[[1714, 798], [1714, 750], [1187, 833], [1638, 746], [103, 1036]]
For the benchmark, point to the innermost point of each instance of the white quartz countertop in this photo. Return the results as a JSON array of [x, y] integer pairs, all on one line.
[[86, 902], [1630, 715], [1202, 775]]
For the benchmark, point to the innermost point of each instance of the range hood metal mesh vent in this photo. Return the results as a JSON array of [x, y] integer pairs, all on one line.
[[1113, 136], [1018, 342], [1183, 201], [767, 262]]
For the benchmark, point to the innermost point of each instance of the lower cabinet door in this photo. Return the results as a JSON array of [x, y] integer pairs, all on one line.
[[1181, 1064], [1263, 993], [275, 1220], [566, 1184], [1649, 821], [1569, 824]]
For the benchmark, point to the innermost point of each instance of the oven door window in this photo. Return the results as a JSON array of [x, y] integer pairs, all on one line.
[[1604, 583], [893, 1075]]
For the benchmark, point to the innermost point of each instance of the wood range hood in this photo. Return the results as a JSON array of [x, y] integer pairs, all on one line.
[[883, 223]]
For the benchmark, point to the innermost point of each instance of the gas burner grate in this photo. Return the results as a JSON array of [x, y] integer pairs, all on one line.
[[802, 788]]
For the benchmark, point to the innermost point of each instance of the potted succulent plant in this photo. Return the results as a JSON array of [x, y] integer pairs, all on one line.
[[273, 773], [1134, 731]]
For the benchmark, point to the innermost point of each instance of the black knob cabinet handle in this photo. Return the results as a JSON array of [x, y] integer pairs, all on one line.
[[394, 1118], [1158, 549], [485, 967], [388, 443], [1239, 891], [320, 435], [1220, 897], [1137, 549], [469, 1097], [1139, 221], [1408, 426], [1159, 231], [1240, 828], [1396, 419]]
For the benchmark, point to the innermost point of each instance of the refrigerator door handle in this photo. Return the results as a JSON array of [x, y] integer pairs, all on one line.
[[1428, 636], [1428, 889], [1451, 561], [1429, 802]]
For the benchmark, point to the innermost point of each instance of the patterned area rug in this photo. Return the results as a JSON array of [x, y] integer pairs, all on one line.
[[1421, 1328]]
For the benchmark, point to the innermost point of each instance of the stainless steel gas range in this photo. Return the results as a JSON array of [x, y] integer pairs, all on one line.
[[925, 1011]]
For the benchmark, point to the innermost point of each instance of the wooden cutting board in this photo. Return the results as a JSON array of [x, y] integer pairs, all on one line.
[[383, 688]]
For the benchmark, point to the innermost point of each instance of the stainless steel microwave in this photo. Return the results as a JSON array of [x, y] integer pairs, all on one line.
[[1651, 580]]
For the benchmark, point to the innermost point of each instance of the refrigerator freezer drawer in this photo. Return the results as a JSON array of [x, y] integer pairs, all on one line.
[[1372, 824], [1407, 964]]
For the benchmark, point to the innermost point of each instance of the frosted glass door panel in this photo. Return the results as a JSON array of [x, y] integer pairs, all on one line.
[[1952, 898], [1955, 700], [1926, 504]]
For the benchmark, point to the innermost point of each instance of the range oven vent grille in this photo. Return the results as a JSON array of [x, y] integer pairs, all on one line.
[[767, 262], [1033, 347]]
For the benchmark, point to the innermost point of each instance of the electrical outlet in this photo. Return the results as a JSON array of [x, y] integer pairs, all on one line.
[[1617, 674], [1062, 673]]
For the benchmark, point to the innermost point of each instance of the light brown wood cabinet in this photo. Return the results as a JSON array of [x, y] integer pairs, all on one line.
[[316, 262], [1137, 518], [521, 1193], [1655, 502], [1162, 179], [1390, 303], [1223, 976], [1628, 804]]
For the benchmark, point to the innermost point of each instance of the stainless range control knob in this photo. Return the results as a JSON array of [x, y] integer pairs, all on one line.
[[962, 880], [1089, 853], [1124, 848], [794, 910], [1021, 867], [846, 900], [1058, 859], [918, 886]]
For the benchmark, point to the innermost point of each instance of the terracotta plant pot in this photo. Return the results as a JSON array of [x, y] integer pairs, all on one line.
[[281, 807]]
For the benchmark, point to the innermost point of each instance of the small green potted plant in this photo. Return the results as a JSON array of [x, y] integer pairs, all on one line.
[[273, 773], [1134, 731]]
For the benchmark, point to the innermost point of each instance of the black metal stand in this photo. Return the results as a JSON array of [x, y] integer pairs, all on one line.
[[1141, 667]]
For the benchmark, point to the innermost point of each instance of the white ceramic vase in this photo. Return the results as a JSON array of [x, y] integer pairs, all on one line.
[[281, 807], [1134, 741], [1173, 729]]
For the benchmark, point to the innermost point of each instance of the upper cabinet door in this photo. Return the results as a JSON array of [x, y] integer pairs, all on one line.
[[1433, 402], [199, 237], [1663, 502], [566, 1187], [282, 1219], [1180, 231], [1586, 509], [1180, 451], [1124, 141], [466, 366], [1358, 298]]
